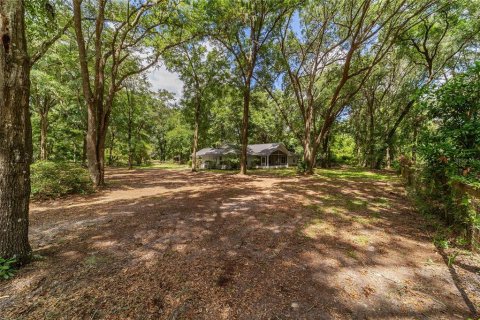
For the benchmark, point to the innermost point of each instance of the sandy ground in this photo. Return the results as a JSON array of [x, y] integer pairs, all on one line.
[[170, 244]]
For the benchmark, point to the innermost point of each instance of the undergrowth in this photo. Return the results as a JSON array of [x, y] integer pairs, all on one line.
[[7, 268], [55, 179]]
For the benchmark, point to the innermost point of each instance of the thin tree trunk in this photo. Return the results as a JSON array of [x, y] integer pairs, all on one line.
[[110, 152], [131, 102], [43, 133], [391, 134], [371, 133], [414, 147], [325, 155], [195, 135], [129, 145], [244, 133], [389, 158], [84, 149], [15, 133]]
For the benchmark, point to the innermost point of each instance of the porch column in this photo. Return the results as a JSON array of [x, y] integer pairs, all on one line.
[[268, 161]]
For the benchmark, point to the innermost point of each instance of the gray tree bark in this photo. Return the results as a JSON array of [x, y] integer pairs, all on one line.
[[15, 132]]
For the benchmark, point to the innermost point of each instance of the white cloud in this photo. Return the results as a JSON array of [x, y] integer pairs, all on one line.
[[161, 78]]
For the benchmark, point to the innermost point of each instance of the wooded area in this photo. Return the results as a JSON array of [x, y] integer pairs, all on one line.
[[378, 86]]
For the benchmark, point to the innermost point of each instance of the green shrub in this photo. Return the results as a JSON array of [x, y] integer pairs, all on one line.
[[56, 179], [6, 268], [301, 166], [232, 163]]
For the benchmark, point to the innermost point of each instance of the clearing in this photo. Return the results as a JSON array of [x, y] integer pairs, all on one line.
[[170, 244]]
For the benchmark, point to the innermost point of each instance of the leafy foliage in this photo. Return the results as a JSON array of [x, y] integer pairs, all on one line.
[[55, 179], [450, 143], [7, 268]]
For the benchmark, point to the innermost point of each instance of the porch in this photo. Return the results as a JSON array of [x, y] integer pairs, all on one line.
[[276, 159]]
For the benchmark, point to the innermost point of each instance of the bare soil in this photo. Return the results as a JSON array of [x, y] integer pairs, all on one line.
[[171, 244]]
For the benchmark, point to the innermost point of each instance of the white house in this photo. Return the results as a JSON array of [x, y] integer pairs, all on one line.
[[267, 155]]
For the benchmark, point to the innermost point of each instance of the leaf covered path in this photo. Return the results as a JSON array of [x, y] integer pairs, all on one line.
[[170, 244]]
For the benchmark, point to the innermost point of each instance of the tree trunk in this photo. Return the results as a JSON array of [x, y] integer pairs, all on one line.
[[325, 155], [84, 148], [309, 158], [309, 144], [110, 152], [371, 133], [195, 135], [15, 133], [391, 133], [414, 147], [129, 143], [389, 158], [43, 134], [94, 148], [244, 134]]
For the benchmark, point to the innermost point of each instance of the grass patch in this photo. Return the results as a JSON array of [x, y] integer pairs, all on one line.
[[382, 202], [352, 174], [362, 240], [95, 260], [361, 220], [163, 165], [281, 172], [316, 208], [375, 215], [314, 227], [352, 254], [356, 204]]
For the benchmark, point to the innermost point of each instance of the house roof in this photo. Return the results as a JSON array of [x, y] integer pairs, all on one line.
[[217, 151], [263, 149], [266, 149]]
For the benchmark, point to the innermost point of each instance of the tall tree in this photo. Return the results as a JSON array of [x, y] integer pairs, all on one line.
[[202, 72], [434, 45], [15, 127], [127, 40], [327, 51], [15, 132], [244, 29]]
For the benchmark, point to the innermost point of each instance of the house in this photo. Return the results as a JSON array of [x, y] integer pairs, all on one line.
[[222, 157], [267, 155]]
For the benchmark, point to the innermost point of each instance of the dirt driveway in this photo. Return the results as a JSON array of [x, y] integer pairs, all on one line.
[[170, 244]]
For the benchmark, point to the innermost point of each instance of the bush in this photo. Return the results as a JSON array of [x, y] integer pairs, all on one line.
[[55, 179], [6, 268], [449, 153], [232, 163], [301, 166]]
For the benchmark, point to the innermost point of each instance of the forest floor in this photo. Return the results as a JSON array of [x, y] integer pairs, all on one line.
[[171, 244]]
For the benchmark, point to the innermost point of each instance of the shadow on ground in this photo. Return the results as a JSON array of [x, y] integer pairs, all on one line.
[[178, 245]]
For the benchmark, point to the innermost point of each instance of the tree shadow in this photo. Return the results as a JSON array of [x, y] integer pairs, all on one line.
[[234, 248]]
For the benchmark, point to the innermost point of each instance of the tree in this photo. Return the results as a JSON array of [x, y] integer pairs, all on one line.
[[15, 128], [15, 150], [127, 40], [327, 50], [433, 45], [244, 29], [202, 72]]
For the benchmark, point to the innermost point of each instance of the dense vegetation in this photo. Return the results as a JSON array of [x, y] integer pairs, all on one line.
[[368, 83]]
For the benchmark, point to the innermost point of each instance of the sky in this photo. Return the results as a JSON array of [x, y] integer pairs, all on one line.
[[161, 78]]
